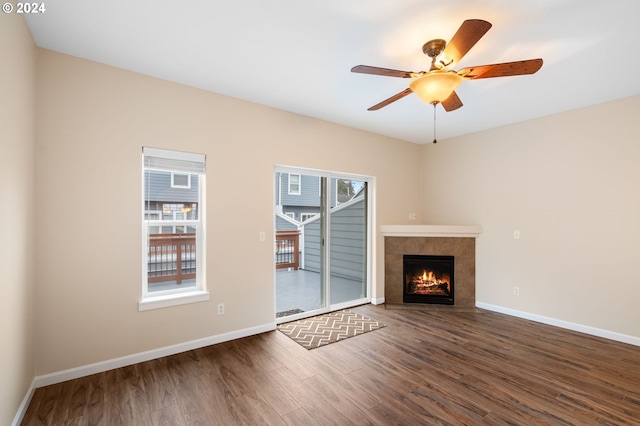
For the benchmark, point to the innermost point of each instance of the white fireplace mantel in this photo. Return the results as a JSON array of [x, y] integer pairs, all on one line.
[[461, 231]]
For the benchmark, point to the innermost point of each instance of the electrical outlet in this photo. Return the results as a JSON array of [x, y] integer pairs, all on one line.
[[262, 236], [516, 291], [412, 216], [516, 234], [220, 308]]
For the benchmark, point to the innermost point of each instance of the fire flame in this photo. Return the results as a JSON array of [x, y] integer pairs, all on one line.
[[430, 277], [429, 283]]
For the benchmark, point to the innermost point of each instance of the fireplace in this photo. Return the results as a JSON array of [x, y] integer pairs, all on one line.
[[428, 279], [430, 240]]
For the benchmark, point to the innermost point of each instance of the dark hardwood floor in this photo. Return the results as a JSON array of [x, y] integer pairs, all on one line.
[[425, 367]]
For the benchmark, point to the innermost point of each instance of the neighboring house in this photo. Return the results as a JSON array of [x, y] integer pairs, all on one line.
[[348, 236], [298, 197], [170, 196]]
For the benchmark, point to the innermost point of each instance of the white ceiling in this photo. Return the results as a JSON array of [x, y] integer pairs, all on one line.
[[296, 55]]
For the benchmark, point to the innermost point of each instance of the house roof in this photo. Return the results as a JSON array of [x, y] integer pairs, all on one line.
[[297, 55]]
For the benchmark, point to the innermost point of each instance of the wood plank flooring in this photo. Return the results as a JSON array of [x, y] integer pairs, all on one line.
[[425, 367]]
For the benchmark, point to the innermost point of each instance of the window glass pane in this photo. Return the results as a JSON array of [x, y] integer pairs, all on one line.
[[180, 180], [294, 184]]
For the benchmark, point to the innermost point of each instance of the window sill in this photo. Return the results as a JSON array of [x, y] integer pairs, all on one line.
[[158, 302]]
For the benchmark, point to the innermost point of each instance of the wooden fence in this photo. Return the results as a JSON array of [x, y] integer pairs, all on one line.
[[171, 257], [287, 249]]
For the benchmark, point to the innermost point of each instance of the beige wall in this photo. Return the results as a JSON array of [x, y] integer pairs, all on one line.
[[570, 183], [93, 121], [17, 123]]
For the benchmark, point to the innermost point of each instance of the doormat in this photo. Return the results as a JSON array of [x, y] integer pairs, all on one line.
[[324, 329], [290, 312]]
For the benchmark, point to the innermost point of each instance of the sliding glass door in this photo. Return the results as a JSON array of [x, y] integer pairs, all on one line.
[[321, 249]]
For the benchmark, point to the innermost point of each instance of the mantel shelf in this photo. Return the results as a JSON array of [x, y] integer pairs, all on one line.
[[460, 231]]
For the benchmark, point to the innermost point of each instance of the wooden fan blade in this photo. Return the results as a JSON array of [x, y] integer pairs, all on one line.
[[464, 39], [394, 98], [365, 69], [506, 69], [453, 102]]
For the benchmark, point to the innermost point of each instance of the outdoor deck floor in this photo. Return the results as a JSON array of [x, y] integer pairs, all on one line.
[[301, 290]]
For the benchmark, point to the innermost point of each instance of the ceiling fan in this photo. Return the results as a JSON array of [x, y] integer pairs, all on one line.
[[437, 86]]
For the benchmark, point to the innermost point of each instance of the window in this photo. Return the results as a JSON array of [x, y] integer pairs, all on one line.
[[180, 180], [294, 184], [307, 216], [173, 228]]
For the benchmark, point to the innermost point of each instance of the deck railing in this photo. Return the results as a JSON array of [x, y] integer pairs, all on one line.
[[171, 257], [287, 249]]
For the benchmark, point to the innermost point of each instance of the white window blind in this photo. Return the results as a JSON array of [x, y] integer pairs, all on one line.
[[162, 159]]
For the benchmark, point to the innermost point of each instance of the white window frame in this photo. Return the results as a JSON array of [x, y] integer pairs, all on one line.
[[299, 190], [165, 160], [148, 213]]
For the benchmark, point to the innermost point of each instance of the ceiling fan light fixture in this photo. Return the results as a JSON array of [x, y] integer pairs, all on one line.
[[435, 86], [438, 85]]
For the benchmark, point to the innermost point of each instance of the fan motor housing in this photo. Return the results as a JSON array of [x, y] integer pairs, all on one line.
[[433, 48]]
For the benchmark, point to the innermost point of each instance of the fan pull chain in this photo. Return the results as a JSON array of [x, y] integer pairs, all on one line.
[[434, 123]]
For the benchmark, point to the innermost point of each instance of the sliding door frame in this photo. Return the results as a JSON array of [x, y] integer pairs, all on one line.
[[326, 177]]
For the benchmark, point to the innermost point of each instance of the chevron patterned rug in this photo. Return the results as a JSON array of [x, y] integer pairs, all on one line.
[[328, 328]]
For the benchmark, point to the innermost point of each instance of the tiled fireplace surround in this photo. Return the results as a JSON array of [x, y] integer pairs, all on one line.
[[437, 240]]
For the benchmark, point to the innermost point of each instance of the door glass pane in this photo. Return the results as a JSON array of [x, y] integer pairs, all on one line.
[[348, 242], [298, 250]]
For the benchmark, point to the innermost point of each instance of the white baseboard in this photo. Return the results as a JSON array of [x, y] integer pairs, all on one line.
[[611, 335], [98, 367], [378, 301], [22, 410]]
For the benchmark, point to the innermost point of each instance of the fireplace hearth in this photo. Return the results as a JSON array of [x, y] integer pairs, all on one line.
[[428, 279]]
